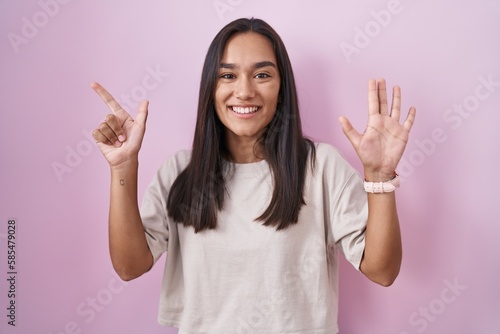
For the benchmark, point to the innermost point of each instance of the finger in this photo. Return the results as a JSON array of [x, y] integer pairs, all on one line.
[[351, 133], [142, 113], [110, 136], [107, 98], [410, 119], [100, 138], [382, 97], [396, 103], [116, 126], [373, 104]]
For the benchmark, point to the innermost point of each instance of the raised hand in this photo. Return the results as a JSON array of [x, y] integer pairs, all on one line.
[[119, 137], [381, 146]]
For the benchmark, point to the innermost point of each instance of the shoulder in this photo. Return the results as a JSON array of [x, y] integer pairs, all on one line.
[[325, 150], [173, 166], [179, 159], [328, 154], [330, 163]]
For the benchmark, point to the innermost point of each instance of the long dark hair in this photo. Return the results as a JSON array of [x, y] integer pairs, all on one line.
[[198, 193]]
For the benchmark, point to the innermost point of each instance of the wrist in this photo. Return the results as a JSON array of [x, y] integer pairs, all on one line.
[[383, 186], [372, 176], [125, 167]]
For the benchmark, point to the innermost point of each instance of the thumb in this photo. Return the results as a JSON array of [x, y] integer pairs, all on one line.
[[351, 133], [142, 113]]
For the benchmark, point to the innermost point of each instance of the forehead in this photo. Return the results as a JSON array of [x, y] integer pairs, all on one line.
[[248, 47]]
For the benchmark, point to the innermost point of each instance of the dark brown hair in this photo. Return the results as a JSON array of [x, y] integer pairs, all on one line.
[[198, 193]]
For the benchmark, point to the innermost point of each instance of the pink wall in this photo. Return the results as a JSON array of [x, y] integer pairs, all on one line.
[[54, 181]]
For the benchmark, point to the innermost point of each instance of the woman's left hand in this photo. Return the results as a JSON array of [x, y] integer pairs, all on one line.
[[381, 146]]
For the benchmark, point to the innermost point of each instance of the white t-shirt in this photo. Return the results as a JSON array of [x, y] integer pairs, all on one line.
[[244, 277]]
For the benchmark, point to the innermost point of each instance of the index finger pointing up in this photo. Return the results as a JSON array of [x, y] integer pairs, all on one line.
[[106, 97]]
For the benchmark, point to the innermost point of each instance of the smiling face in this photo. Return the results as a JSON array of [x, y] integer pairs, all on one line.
[[246, 95]]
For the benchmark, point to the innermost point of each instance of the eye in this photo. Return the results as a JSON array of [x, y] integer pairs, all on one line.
[[262, 76], [227, 76]]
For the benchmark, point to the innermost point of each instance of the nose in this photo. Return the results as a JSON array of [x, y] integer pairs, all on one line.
[[244, 89]]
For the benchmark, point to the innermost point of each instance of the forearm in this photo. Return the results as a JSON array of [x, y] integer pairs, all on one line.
[[129, 250], [383, 252]]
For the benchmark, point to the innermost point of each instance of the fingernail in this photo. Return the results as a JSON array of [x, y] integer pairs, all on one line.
[[121, 138], [118, 144]]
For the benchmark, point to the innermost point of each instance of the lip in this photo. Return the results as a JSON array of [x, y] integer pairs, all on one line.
[[244, 115]]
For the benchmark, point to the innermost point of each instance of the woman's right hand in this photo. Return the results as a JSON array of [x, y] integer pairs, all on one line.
[[119, 137]]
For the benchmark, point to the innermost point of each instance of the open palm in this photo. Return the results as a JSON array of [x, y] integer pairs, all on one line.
[[381, 146], [119, 137]]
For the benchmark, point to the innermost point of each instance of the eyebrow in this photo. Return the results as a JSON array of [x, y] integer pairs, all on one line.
[[259, 64]]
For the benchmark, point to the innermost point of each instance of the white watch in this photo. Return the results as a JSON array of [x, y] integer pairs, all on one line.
[[382, 187]]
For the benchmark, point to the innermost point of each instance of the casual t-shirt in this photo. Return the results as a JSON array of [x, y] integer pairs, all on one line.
[[243, 277]]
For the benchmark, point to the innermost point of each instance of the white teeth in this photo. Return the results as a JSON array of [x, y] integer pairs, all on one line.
[[240, 110]]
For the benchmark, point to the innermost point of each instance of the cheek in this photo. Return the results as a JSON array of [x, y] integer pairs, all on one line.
[[221, 92], [222, 97], [273, 95], [217, 96], [272, 103]]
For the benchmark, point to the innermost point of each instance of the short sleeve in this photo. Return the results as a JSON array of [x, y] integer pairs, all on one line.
[[153, 210], [346, 204], [349, 220], [154, 218]]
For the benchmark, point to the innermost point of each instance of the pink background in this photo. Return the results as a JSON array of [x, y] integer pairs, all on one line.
[[55, 182]]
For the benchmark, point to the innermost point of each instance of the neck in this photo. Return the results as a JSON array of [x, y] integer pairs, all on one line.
[[243, 150]]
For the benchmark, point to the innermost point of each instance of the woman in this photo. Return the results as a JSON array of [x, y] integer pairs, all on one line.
[[252, 217]]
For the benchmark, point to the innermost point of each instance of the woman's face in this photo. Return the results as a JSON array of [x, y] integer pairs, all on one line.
[[246, 95]]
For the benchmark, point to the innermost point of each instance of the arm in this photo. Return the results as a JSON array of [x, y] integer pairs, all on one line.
[[380, 148], [383, 253], [120, 137]]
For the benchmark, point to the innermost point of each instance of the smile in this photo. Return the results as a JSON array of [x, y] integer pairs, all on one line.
[[246, 110]]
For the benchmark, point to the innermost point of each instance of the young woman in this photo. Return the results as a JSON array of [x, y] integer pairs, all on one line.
[[252, 218]]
